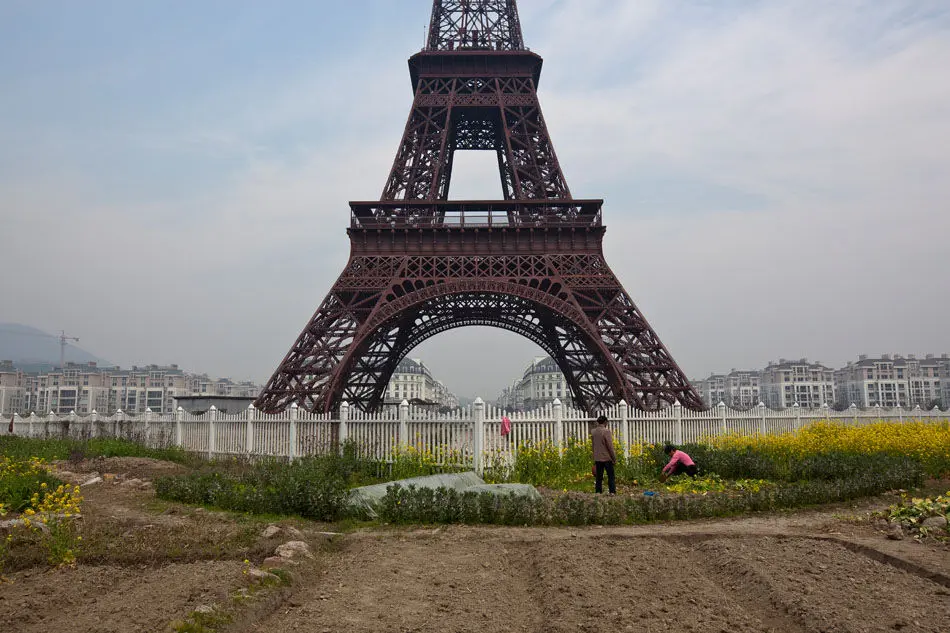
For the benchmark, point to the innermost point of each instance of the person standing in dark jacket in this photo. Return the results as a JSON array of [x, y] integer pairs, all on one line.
[[604, 456]]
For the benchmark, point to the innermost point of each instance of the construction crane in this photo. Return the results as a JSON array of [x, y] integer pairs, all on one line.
[[62, 342], [62, 347]]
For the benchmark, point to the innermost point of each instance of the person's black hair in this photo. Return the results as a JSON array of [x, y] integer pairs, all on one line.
[[602, 419], [669, 448]]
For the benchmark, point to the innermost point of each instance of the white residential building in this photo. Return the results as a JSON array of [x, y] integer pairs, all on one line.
[[889, 381], [412, 381], [944, 364], [84, 388], [742, 389], [786, 383], [12, 389], [541, 383], [712, 390]]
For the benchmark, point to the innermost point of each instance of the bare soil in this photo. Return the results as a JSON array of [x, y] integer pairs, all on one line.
[[482, 579], [108, 599], [149, 563]]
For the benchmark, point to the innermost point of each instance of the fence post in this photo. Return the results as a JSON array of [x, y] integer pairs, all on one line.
[[900, 413], [115, 422], [798, 416], [825, 412], [249, 430], [32, 420], [344, 416], [878, 412], [294, 412], [624, 427], [51, 417], [212, 416], [854, 414], [94, 421], [678, 412], [179, 413], [917, 413], [403, 423], [148, 423], [761, 418], [72, 422], [558, 423], [722, 415], [478, 435], [17, 420]]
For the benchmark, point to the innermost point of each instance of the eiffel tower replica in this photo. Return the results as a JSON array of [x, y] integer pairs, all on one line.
[[531, 262]]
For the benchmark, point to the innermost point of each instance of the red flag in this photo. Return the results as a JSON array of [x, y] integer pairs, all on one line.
[[505, 426]]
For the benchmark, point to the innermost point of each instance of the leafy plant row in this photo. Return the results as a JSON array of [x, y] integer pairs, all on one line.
[[421, 505]]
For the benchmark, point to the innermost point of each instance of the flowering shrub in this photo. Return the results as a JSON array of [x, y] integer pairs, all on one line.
[[56, 509], [926, 443], [46, 506], [415, 461], [21, 479]]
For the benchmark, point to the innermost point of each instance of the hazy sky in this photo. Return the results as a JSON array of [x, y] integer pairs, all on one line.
[[174, 175]]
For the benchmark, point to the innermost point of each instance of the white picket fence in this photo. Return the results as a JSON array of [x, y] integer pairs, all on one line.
[[469, 436]]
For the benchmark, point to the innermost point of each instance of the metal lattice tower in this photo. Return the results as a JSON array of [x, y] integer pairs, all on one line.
[[531, 262]]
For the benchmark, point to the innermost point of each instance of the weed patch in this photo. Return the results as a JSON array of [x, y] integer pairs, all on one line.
[[22, 448]]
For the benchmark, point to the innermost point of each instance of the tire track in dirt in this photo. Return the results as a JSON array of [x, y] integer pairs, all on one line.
[[825, 587]]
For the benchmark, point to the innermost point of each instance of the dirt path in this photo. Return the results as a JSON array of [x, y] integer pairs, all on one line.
[[724, 576]]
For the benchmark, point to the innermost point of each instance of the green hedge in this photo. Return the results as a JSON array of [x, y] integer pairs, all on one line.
[[314, 487], [421, 505]]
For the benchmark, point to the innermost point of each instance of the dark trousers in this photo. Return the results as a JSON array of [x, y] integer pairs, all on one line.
[[679, 469], [599, 477]]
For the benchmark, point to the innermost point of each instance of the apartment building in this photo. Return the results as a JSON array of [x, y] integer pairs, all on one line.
[[889, 381], [12, 389], [85, 388], [541, 383], [712, 389], [943, 364], [412, 381], [787, 382], [741, 389]]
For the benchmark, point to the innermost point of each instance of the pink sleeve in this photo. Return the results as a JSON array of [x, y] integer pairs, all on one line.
[[672, 464]]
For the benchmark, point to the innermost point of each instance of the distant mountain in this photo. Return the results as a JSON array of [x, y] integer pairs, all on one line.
[[25, 345]]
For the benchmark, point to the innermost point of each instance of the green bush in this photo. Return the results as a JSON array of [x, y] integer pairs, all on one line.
[[314, 487]]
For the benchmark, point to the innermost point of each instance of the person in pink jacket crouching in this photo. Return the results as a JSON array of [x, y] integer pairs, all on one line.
[[679, 463]]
